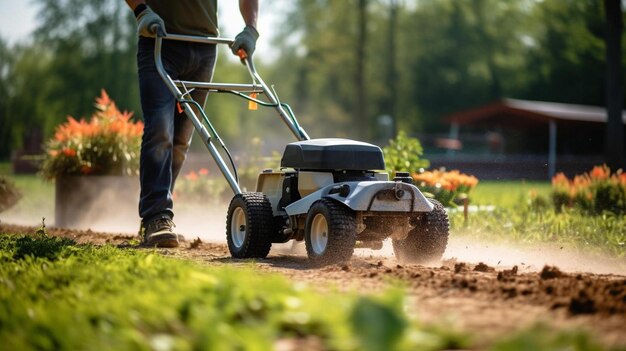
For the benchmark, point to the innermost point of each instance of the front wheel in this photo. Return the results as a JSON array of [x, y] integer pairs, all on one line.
[[330, 233], [249, 226], [427, 241]]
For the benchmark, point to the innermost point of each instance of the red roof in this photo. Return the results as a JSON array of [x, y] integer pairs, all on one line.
[[512, 111]]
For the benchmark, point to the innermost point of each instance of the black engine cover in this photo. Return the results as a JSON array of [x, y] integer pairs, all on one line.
[[333, 154]]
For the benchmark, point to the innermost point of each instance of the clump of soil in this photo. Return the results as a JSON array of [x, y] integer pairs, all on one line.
[[481, 267], [549, 272], [507, 274], [582, 304], [195, 244], [460, 267]]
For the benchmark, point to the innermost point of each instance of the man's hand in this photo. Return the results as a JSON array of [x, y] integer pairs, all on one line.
[[149, 24], [245, 40]]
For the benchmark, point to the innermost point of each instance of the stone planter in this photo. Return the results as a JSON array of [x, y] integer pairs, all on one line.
[[106, 203]]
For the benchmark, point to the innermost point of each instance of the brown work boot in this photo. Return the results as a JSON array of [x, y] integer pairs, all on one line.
[[158, 233]]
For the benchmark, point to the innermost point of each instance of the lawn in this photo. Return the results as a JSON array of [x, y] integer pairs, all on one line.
[[523, 214], [507, 193], [57, 295], [124, 298]]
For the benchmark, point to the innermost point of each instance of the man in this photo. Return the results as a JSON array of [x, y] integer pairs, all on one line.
[[167, 133]]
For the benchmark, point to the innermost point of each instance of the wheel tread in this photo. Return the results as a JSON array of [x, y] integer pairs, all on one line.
[[259, 225], [428, 240], [342, 236]]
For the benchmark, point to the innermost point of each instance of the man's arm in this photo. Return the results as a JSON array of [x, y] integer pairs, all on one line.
[[246, 40], [249, 11], [146, 19]]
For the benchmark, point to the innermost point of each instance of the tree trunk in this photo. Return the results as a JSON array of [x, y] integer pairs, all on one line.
[[614, 89], [389, 104], [360, 112]]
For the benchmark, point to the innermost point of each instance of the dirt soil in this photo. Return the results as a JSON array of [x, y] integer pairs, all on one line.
[[472, 297]]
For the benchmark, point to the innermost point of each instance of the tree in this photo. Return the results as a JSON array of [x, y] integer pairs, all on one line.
[[614, 88], [360, 108]]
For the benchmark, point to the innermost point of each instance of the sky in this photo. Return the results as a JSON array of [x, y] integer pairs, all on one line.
[[18, 18]]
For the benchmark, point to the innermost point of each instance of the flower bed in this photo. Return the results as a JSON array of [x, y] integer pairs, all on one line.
[[107, 144], [593, 192], [445, 187]]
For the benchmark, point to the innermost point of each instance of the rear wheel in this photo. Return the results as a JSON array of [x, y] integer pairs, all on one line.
[[330, 233], [427, 241], [249, 226]]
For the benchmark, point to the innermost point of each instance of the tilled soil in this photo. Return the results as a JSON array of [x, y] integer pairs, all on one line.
[[472, 297]]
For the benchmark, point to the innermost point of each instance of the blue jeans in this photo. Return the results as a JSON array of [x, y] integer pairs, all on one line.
[[167, 133]]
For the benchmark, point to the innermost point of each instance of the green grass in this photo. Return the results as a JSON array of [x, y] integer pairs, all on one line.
[[507, 193], [5, 168], [523, 214], [56, 295]]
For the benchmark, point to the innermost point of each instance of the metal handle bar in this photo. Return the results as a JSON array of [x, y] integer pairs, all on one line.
[[257, 86]]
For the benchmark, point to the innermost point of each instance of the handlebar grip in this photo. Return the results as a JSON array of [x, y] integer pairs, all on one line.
[[157, 30], [242, 54]]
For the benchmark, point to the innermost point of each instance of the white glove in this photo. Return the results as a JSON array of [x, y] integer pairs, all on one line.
[[149, 24]]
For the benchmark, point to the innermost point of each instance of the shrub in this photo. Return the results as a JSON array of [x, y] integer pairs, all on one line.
[[446, 187], [593, 192], [107, 144], [403, 154]]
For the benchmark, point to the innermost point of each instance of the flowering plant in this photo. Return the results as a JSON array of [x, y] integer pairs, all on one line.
[[594, 192], [107, 144], [446, 187]]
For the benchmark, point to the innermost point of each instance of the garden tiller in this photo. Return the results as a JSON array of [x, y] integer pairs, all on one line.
[[331, 193]]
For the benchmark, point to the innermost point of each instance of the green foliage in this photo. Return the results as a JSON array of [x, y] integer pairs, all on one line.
[[378, 325], [9, 194], [525, 217], [55, 294], [403, 154], [60, 68], [420, 63], [594, 192], [540, 338]]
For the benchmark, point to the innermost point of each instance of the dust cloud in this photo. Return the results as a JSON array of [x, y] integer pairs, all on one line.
[[532, 257], [208, 222]]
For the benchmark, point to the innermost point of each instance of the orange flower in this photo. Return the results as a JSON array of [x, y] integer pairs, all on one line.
[[560, 180], [600, 172], [203, 171], [193, 176], [69, 152]]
